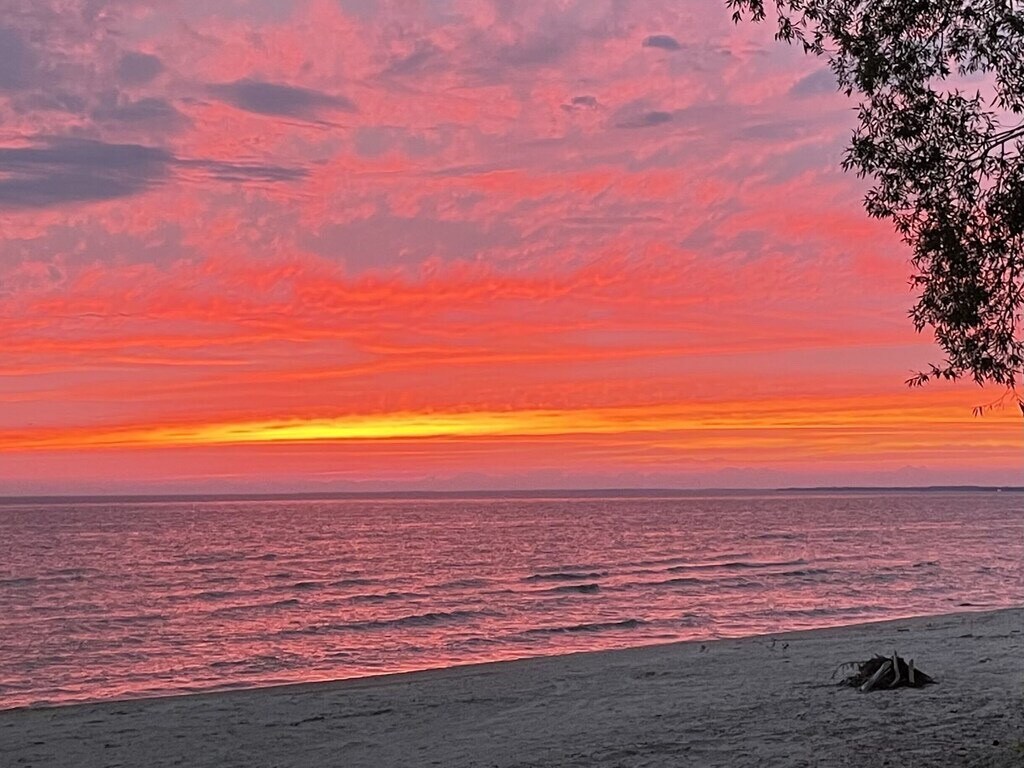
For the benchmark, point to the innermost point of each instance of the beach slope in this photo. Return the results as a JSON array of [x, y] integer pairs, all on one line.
[[767, 701]]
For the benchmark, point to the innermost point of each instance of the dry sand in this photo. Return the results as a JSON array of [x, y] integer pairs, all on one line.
[[727, 703]]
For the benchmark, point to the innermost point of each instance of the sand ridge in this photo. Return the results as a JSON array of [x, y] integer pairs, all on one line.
[[765, 701]]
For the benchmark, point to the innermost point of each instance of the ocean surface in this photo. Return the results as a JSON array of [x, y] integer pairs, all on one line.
[[121, 600]]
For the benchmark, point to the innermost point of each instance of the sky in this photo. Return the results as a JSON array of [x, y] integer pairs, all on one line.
[[257, 245]]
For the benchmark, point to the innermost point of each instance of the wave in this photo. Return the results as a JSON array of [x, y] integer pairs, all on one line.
[[265, 662], [737, 565], [73, 574], [420, 619], [806, 572], [680, 560], [433, 618], [810, 613], [587, 589], [130, 619], [354, 581], [214, 558], [468, 583], [306, 585], [386, 597], [214, 594], [677, 581], [734, 582], [22, 581], [574, 567], [231, 610], [601, 626], [566, 576]]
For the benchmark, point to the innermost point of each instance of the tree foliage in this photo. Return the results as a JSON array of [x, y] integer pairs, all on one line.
[[941, 89]]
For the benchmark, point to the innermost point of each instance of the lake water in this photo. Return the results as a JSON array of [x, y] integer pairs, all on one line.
[[115, 600]]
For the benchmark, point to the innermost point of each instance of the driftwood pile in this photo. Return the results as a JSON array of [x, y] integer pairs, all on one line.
[[880, 672]]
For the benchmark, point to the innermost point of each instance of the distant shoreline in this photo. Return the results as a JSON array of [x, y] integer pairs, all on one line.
[[552, 493]]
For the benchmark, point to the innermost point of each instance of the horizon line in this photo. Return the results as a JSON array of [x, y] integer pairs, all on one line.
[[655, 492]]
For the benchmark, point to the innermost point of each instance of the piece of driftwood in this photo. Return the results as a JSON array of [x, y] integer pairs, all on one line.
[[873, 681], [896, 666], [879, 673]]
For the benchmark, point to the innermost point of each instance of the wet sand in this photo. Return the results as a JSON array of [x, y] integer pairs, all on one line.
[[765, 701]]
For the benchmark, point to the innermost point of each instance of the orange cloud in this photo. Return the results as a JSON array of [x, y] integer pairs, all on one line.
[[478, 240]]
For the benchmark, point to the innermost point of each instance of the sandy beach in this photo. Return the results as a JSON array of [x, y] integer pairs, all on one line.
[[767, 701]]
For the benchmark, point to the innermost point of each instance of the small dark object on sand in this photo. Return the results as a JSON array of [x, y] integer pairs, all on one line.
[[877, 673]]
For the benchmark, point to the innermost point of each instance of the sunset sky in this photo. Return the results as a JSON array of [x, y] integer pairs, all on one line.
[[357, 244]]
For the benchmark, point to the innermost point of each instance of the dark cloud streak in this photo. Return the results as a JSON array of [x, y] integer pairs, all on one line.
[[242, 172], [815, 84], [58, 171], [645, 120], [138, 68], [64, 170], [16, 61], [665, 42], [279, 100], [582, 102], [149, 110], [425, 56]]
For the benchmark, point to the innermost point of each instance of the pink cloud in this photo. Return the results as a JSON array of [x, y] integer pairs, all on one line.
[[323, 207]]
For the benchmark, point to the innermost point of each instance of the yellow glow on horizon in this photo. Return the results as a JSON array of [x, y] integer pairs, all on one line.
[[755, 417]]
